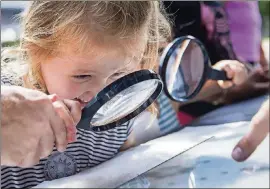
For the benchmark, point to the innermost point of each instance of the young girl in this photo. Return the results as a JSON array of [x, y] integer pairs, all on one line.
[[74, 49]]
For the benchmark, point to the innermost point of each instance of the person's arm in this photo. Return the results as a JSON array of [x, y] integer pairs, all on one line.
[[259, 130]]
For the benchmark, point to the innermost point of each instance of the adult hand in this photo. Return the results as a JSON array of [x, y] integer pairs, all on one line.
[[256, 84], [259, 130], [30, 126]]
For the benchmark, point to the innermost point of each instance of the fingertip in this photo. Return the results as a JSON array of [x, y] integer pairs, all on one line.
[[243, 149], [61, 148], [237, 154]]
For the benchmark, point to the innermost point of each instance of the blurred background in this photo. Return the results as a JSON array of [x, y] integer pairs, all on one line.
[[10, 29], [265, 9]]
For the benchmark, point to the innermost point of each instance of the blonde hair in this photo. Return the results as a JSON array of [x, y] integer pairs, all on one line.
[[46, 24]]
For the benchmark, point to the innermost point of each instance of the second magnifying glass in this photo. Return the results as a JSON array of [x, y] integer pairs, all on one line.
[[185, 67]]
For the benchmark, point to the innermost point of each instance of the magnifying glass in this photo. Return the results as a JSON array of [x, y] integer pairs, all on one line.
[[121, 101], [185, 67]]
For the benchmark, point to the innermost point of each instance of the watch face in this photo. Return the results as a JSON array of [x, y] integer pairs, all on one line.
[[60, 165]]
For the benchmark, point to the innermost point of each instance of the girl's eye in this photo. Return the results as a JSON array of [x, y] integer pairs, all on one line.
[[82, 77], [118, 74]]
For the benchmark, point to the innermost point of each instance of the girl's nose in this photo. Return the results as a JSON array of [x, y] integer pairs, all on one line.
[[94, 90], [86, 96]]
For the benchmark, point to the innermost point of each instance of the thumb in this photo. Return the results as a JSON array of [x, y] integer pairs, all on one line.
[[53, 97]]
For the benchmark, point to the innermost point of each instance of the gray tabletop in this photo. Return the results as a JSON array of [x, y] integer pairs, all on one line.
[[209, 165]]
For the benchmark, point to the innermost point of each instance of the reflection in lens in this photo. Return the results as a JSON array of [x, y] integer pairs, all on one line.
[[185, 69], [124, 103]]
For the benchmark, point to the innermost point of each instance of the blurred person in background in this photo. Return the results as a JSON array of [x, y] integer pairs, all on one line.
[[245, 25], [208, 22]]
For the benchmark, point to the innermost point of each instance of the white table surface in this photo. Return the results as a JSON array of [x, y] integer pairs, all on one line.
[[209, 165]]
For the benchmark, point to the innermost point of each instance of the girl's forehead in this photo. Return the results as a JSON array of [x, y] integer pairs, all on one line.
[[123, 48], [97, 43], [99, 58]]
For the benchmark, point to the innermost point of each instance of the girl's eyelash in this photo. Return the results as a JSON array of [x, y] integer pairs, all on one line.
[[89, 76], [118, 74], [82, 76]]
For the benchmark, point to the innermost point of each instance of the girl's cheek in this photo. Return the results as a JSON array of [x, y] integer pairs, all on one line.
[[70, 91]]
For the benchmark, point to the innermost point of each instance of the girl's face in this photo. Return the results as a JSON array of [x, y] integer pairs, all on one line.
[[81, 77]]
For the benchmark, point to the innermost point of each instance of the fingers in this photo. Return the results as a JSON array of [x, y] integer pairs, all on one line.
[[32, 158], [59, 130], [75, 110], [234, 70], [240, 72], [46, 144], [230, 74], [259, 130], [64, 112], [229, 71]]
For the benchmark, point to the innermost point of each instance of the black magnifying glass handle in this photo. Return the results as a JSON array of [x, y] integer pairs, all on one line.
[[217, 75]]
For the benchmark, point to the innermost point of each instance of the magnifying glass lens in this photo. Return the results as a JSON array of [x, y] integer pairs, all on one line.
[[124, 103], [121, 101]]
